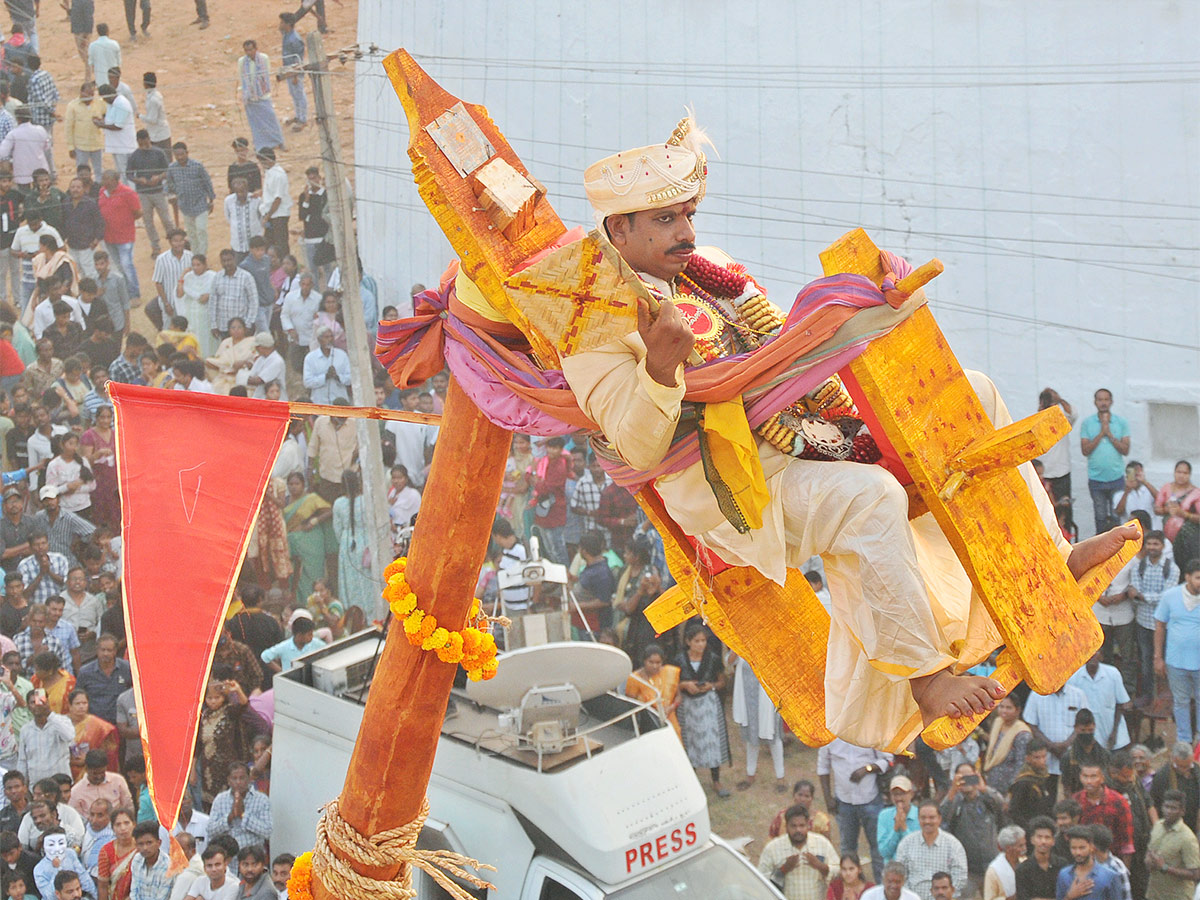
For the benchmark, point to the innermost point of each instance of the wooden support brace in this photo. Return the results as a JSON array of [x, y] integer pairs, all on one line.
[[1013, 444]]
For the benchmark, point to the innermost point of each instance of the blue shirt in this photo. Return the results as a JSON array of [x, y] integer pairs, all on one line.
[[1183, 629], [1106, 462], [887, 838], [1105, 884], [44, 873], [286, 652]]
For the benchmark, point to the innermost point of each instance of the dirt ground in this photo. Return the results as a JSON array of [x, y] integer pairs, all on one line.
[[196, 74]]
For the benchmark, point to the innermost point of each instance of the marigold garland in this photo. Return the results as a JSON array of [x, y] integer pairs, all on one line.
[[473, 648], [299, 884]]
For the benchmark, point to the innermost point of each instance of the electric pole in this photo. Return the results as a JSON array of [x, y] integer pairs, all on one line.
[[362, 386]]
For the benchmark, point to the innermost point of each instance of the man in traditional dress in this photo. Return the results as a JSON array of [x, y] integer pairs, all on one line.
[[901, 599], [254, 86]]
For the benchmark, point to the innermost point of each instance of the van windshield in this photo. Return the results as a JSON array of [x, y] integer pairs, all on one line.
[[716, 874]]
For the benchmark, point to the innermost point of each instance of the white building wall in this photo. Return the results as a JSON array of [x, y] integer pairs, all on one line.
[[1046, 152]]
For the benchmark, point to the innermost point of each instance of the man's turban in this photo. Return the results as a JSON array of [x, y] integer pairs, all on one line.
[[650, 177]]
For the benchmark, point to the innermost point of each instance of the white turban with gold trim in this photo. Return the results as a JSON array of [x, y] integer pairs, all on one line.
[[650, 177]]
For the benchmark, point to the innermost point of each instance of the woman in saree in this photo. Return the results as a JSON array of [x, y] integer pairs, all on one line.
[[309, 535], [1006, 746], [236, 350], [91, 733], [656, 681], [115, 875]]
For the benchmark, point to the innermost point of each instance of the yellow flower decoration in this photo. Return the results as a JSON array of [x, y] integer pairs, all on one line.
[[474, 647], [299, 885]]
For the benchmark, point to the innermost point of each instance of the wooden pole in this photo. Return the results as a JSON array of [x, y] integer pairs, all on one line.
[[362, 386], [393, 758]]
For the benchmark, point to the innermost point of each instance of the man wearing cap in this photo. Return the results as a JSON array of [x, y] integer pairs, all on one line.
[[327, 370], [898, 822], [63, 526], [267, 367], [891, 644]]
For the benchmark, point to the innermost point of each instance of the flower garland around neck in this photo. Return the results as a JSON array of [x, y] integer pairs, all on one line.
[[473, 648]]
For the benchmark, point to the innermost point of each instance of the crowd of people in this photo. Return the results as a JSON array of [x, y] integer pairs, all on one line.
[[1056, 777], [78, 181]]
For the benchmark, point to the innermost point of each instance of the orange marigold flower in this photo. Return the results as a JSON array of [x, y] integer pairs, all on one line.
[[395, 567]]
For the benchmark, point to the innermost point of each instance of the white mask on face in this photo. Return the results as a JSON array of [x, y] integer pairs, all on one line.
[[54, 846]]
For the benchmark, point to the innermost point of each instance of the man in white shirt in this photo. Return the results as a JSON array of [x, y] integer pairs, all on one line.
[[43, 313], [1137, 494], [120, 135], [850, 782], [26, 243], [103, 54], [215, 883], [1107, 699], [45, 743], [267, 368], [296, 316], [276, 202], [894, 876], [1115, 613], [193, 822], [327, 370], [155, 116]]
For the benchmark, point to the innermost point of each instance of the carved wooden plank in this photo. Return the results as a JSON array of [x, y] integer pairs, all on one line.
[[931, 415]]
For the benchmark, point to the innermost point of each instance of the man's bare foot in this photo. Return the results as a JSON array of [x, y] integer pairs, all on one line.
[[1096, 550], [946, 694]]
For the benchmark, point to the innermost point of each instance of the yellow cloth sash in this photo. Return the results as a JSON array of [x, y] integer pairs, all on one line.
[[733, 455]]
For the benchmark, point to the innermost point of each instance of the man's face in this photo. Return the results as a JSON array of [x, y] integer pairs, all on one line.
[[177, 242], [96, 776], [238, 781], [1086, 731], [1063, 821], [229, 263], [1172, 811], [214, 868], [180, 154], [75, 189], [1037, 760], [797, 829], [969, 781], [901, 798], [15, 790], [42, 182], [106, 652], [1043, 841], [1092, 780], [1154, 548], [658, 242], [325, 339], [109, 182], [280, 872], [98, 816], [101, 263], [1103, 401], [930, 819], [13, 504], [942, 889], [1182, 764], [72, 890], [148, 845], [54, 611], [1081, 850], [893, 883], [302, 639], [1192, 580], [250, 48], [76, 581], [144, 142], [34, 222], [6, 184], [43, 817], [250, 869]]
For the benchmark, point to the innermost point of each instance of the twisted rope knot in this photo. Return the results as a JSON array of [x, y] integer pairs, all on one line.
[[388, 848]]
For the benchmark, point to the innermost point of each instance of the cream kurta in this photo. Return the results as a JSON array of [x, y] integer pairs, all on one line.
[[901, 599]]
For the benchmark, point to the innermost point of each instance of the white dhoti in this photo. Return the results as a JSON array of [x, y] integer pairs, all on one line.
[[902, 604]]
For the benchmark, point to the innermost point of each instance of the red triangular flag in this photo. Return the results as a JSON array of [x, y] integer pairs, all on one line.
[[192, 470]]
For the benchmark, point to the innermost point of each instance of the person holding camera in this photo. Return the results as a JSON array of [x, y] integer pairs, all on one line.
[[972, 812]]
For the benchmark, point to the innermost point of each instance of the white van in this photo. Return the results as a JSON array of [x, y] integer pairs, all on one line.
[[571, 790]]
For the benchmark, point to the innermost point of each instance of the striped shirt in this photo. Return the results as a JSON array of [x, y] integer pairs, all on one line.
[[150, 883], [1151, 579], [42, 98], [169, 269], [231, 296], [923, 861], [191, 186]]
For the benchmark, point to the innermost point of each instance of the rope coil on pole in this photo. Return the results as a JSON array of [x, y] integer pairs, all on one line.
[[336, 839]]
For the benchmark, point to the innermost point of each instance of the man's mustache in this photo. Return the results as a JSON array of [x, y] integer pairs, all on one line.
[[686, 245]]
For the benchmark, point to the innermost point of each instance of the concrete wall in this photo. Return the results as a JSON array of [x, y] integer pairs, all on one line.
[[1046, 152]]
